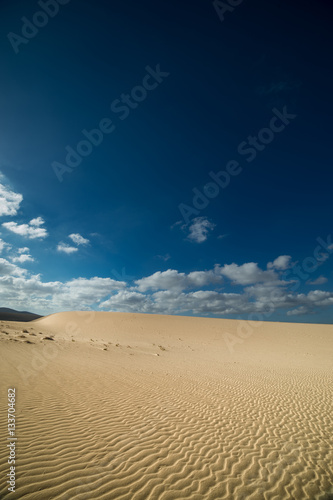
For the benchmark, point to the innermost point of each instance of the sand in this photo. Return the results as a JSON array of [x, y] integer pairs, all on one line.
[[135, 406]]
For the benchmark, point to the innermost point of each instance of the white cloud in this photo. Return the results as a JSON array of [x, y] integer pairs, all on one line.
[[39, 221], [31, 293], [320, 297], [298, 312], [201, 302], [281, 263], [63, 247], [4, 245], [199, 229], [23, 258], [28, 293], [210, 302], [162, 280], [197, 279], [78, 239], [32, 230], [319, 281], [9, 200], [175, 302], [167, 292], [9, 269], [247, 274], [128, 302], [173, 280], [85, 292]]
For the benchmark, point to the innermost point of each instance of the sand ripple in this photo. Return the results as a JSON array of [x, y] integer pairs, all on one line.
[[188, 424]]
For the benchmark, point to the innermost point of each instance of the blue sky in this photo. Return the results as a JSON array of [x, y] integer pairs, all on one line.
[[167, 158]]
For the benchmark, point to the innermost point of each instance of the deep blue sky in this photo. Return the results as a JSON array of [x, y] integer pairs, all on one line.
[[225, 79]]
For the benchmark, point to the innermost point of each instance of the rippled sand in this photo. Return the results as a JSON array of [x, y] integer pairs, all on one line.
[[130, 406]]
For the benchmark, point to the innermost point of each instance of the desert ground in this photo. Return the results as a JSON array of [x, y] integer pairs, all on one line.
[[148, 407]]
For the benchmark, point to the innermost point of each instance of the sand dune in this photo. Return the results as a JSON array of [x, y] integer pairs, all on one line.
[[136, 407]]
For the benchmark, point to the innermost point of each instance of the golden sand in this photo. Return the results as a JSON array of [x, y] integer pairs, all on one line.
[[145, 407]]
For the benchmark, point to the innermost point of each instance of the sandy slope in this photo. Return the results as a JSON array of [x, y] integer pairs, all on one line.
[[126, 406]]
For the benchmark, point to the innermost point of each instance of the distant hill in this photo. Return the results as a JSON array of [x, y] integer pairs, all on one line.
[[7, 314]]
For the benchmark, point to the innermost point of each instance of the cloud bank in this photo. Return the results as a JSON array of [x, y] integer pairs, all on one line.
[[169, 292]]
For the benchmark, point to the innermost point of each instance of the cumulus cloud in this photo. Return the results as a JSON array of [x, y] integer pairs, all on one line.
[[30, 292], [63, 247], [264, 292], [201, 302], [9, 200], [29, 288], [167, 292], [210, 302], [39, 221], [298, 312], [199, 229], [4, 245], [319, 281], [8, 269], [32, 230], [127, 301], [247, 274], [173, 280], [281, 263], [23, 258], [78, 239], [320, 297], [83, 292]]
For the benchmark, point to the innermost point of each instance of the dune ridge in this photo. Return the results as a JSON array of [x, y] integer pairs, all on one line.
[[135, 406]]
